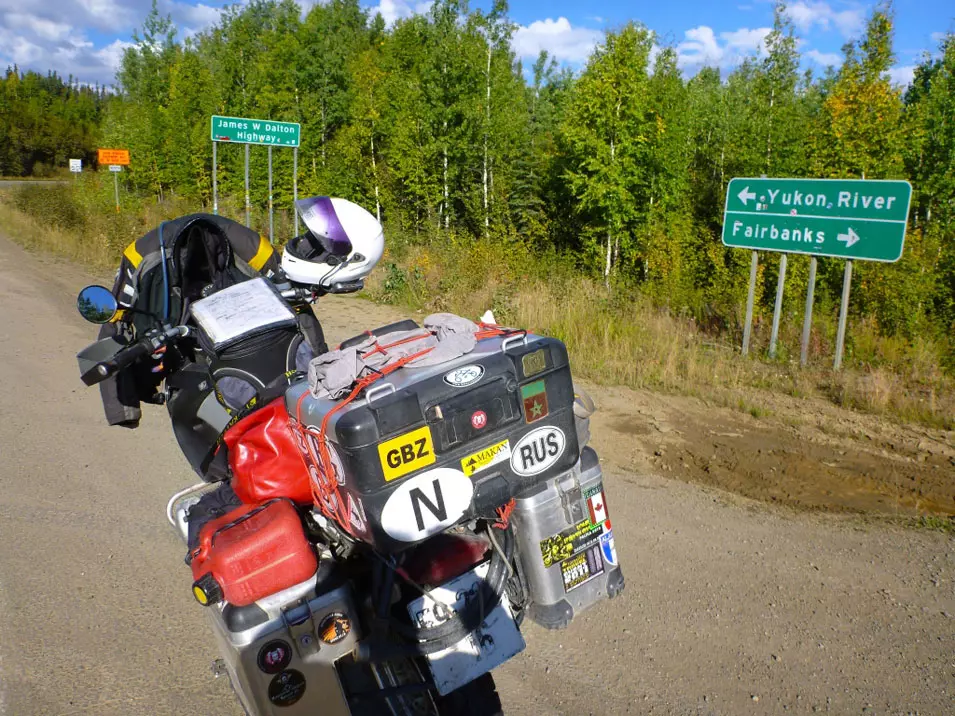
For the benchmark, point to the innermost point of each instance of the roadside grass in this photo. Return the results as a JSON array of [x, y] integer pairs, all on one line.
[[618, 337], [627, 338]]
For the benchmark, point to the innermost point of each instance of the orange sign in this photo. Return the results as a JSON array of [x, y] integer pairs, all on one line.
[[113, 156]]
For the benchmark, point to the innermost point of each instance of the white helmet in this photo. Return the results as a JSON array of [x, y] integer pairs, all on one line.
[[341, 245]]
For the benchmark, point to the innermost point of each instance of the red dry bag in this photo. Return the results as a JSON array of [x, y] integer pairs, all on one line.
[[250, 553], [266, 460]]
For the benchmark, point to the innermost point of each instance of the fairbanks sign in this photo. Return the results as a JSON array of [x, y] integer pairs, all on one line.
[[242, 130], [842, 218]]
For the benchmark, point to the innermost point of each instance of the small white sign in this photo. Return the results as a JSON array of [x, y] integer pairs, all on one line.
[[115, 168], [76, 165]]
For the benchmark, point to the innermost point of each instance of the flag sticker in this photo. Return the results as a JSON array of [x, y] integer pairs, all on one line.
[[483, 459], [598, 508], [535, 401]]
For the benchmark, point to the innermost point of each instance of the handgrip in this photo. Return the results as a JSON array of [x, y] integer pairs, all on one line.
[[104, 369]]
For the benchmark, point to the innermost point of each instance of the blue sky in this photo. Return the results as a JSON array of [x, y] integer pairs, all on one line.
[[86, 38]]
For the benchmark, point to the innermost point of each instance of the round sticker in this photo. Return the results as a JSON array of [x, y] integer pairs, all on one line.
[[479, 420], [426, 504], [334, 627], [464, 376], [538, 450], [287, 688], [274, 656]]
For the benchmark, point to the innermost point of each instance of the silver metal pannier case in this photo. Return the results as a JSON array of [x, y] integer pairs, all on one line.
[[423, 449], [565, 544]]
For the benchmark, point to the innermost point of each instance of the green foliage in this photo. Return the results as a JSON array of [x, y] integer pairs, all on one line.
[[45, 121], [617, 172]]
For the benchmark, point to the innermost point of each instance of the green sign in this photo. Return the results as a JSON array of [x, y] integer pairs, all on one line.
[[255, 131], [844, 218]]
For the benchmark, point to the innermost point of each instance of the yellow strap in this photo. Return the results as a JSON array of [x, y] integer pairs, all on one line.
[[262, 255], [133, 255]]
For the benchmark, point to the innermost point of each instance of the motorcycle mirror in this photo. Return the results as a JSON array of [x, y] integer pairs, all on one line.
[[97, 304]]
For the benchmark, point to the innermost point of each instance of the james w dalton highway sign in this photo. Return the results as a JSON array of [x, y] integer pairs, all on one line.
[[241, 130], [843, 218]]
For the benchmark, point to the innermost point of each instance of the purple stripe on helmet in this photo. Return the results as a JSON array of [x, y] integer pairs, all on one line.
[[320, 218]]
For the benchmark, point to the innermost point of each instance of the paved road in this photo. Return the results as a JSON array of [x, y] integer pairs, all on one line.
[[6, 183], [730, 608]]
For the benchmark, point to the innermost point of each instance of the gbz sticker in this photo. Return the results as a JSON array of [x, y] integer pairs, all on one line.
[[483, 459], [426, 504], [464, 376], [406, 453], [582, 568], [538, 450]]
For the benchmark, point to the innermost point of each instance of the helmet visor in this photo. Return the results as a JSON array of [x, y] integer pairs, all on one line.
[[320, 219]]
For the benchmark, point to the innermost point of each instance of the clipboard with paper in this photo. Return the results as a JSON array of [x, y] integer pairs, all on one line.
[[240, 311]]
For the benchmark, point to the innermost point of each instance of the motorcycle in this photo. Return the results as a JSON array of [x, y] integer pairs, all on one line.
[[451, 502]]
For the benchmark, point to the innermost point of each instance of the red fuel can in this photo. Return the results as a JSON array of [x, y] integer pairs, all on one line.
[[250, 553]]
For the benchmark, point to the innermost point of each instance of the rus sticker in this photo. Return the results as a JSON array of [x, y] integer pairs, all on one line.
[[538, 450]]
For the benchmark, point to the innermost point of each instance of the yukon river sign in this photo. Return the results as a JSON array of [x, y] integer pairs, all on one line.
[[842, 218], [241, 130]]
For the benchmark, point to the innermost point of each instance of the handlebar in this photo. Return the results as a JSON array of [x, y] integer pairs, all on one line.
[[137, 351]]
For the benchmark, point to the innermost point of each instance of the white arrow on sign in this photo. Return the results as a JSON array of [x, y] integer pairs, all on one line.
[[850, 239], [746, 195]]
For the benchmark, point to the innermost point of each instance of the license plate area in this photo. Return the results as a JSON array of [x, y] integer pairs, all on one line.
[[494, 642]]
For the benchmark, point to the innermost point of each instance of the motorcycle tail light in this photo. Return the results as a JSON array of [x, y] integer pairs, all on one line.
[[444, 557]]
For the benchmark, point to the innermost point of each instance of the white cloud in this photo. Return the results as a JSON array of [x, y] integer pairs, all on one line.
[[806, 15], [825, 59], [562, 40], [902, 75], [938, 37], [41, 27], [55, 36], [703, 48], [394, 10]]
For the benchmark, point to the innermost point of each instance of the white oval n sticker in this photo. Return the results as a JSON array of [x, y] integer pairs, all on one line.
[[426, 504], [464, 376], [538, 450]]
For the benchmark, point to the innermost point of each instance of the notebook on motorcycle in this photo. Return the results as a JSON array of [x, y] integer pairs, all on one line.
[[241, 311]]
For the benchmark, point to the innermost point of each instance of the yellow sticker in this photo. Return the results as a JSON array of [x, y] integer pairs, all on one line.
[[483, 459], [406, 453]]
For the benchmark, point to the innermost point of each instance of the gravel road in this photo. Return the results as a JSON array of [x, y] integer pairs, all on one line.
[[731, 607]]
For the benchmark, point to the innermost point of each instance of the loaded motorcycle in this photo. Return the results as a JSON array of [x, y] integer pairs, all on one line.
[[373, 523]]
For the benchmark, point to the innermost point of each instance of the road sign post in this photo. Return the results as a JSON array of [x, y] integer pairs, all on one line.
[[843, 313], [295, 186], [268, 132], [248, 209], [271, 225], [807, 319], [778, 308], [841, 218], [116, 169], [215, 188], [750, 297]]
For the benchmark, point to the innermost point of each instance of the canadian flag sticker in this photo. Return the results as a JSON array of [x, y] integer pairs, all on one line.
[[598, 508]]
